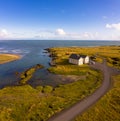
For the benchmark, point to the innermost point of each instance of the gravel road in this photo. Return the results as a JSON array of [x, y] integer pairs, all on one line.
[[70, 113]]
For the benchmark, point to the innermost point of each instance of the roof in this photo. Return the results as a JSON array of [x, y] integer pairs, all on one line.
[[76, 56]]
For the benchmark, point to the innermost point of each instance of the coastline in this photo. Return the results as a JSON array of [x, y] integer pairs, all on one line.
[[6, 58], [69, 92]]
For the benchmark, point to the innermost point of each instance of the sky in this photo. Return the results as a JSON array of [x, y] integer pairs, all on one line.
[[60, 19]]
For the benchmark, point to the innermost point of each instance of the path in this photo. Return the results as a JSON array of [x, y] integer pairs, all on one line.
[[81, 106]]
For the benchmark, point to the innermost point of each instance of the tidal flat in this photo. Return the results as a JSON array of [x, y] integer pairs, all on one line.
[[5, 58]]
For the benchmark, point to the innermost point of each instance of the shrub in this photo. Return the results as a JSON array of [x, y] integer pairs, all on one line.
[[39, 88], [47, 89]]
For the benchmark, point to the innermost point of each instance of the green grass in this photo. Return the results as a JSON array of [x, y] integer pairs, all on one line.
[[70, 69], [27, 75], [24, 103], [78, 90], [61, 59], [107, 108], [111, 53]]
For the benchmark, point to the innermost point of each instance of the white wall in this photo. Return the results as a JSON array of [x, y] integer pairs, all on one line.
[[86, 60], [80, 62]]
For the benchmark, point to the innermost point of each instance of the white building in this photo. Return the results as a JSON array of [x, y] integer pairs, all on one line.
[[78, 59]]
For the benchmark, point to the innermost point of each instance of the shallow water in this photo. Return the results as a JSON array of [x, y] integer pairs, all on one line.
[[32, 52]]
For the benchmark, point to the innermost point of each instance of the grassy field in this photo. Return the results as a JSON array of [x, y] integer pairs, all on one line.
[[5, 58], [71, 70], [111, 53], [24, 103], [107, 108]]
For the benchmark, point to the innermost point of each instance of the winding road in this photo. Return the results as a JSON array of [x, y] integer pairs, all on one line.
[[70, 113]]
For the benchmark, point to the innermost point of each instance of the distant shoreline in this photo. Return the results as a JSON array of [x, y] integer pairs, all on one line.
[[6, 58]]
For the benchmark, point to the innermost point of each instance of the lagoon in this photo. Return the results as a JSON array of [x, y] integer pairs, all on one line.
[[32, 52]]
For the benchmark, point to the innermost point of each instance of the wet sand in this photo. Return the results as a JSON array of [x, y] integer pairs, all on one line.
[[5, 58]]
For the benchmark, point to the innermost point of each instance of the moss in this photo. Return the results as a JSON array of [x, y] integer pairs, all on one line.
[[39, 88], [47, 89]]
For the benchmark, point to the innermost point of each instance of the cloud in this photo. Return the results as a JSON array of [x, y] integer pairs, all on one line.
[[86, 35], [60, 32], [3, 33], [113, 26], [115, 37]]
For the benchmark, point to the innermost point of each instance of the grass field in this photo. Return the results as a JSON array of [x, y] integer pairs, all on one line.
[[5, 58], [111, 53], [25, 103], [107, 108]]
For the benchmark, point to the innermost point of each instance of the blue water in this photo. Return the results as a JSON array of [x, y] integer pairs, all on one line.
[[32, 52]]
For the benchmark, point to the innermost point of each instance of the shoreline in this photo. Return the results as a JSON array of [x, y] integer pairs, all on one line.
[[69, 93], [7, 57]]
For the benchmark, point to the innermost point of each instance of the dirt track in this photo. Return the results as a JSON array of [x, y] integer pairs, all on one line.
[[80, 107]]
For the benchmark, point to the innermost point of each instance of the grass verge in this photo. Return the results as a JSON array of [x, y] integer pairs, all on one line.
[[107, 108]]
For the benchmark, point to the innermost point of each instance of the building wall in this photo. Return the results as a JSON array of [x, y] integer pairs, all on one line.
[[73, 61], [80, 62], [76, 62], [86, 60]]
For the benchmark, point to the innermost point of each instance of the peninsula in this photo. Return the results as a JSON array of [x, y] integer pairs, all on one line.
[[5, 58]]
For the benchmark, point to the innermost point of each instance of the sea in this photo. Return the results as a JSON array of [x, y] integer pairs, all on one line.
[[33, 52]]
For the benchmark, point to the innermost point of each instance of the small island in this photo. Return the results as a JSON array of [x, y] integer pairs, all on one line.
[[5, 58], [27, 75]]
